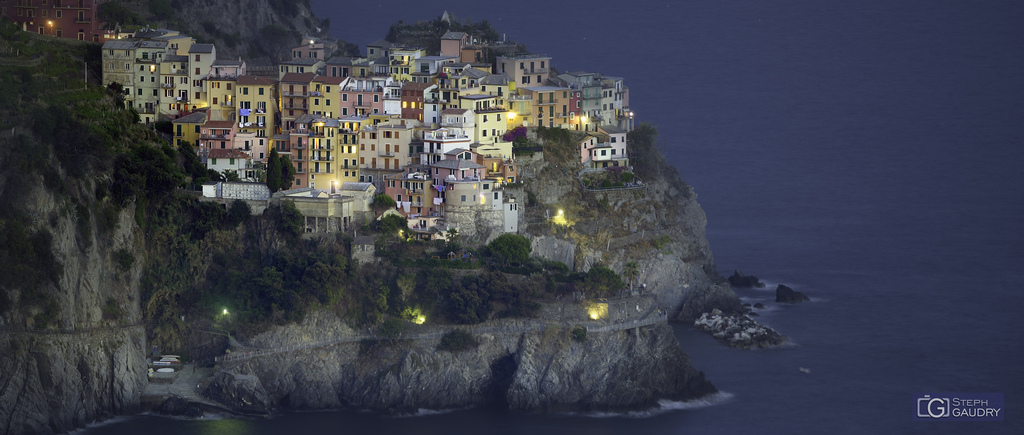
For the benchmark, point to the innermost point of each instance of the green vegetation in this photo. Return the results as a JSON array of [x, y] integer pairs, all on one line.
[[510, 248], [579, 333], [427, 34], [457, 340]]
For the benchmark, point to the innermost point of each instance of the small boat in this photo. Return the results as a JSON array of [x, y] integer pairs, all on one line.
[[170, 356], [173, 360], [165, 370], [805, 370], [161, 363]]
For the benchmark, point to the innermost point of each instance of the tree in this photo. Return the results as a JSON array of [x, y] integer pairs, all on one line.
[[452, 240], [287, 173], [631, 272], [510, 248], [382, 203], [274, 171], [602, 281], [231, 175]]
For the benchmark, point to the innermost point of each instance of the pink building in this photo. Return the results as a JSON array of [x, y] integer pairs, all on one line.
[[363, 96]]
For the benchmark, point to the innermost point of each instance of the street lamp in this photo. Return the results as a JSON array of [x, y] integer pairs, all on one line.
[[49, 23]]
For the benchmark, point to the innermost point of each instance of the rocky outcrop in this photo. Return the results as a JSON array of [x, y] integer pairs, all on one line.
[[738, 330], [786, 295], [660, 227], [534, 371], [241, 393], [57, 382], [79, 356], [179, 406], [740, 280]]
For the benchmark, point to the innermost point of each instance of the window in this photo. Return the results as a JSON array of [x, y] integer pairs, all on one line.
[[197, 60], [245, 90], [197, 69], [376, 98], [463, 198]]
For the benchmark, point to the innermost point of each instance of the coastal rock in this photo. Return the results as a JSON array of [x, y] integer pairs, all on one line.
[[242, 393], [738, 330], [533, 371], [759, 306], [178, 406], [740, 280], [787, 295]]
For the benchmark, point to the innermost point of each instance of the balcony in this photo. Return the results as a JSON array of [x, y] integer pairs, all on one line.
[[82, 21], [385, 153], [296, 107], [181, 99], [167, 85], [227, 103]]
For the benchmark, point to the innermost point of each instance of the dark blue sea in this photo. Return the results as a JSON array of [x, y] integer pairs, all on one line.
[[867, 153]]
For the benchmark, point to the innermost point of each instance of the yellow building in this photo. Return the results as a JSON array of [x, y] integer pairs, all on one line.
[[187, 128], [221, 94], [256, 105], [401, 63], [325, 98]]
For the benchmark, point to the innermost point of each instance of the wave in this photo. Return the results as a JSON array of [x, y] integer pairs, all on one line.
[[667, 406], [424, 412]]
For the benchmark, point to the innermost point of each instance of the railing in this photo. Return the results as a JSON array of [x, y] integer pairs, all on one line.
[[296, 107], [295, 94], [227, 103], [213, 136], [592, 327], [167, 85], [385, 153]]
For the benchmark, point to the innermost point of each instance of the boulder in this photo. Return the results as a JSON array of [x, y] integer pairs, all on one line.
[[787, 295], [740, 280], [759, 306], [179, 406], [242, 393]]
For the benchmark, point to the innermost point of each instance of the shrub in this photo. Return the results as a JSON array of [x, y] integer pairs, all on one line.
[[579, 333], [627, 177], [124, 259], [392, 328], [457, 340]]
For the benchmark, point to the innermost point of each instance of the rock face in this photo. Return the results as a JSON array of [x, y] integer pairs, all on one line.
[[58, 382], [88, 362], [660, 227], [738, 330], [787, 295], [242, 393], [740, 280], [534, 371]]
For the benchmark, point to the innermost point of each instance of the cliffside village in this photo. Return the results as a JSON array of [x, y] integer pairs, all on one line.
[[427, 129]]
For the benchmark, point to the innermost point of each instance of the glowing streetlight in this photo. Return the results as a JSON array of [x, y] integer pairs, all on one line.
[[225, 311], [511, 116]]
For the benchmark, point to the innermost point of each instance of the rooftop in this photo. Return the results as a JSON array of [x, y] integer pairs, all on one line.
[[201, 48], [227, 153]]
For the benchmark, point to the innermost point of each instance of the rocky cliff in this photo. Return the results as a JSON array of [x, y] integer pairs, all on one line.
[[88, 361], [528, 369], [659, 225]]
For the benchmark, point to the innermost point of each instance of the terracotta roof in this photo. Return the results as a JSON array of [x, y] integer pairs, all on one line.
[[416, 86], [255, 80], [329, 80], [227, 153], [454, 111], [219, 124], [298, 77]]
